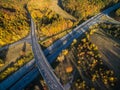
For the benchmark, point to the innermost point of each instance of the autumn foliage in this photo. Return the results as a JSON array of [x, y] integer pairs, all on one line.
[[13, 21], [93, 70], [82, 9], [48, 22], [117, 12]]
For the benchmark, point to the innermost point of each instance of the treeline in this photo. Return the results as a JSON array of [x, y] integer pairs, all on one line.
[[91, 72], [52, 23], [117, 12], [14, 66], [111, 29], [48, 22], [14, 23], [82, 9]]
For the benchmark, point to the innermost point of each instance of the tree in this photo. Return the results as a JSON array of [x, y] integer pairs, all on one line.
[[69, 69], [60, 58], [117, 12]]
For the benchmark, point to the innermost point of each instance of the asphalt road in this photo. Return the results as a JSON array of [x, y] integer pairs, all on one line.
[[78, 30], [42, 63]]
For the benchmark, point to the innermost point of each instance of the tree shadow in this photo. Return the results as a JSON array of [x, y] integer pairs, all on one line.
[[28, 14], [4, 53], [113, 62], [23, 51], [104, 35], [111, 59], [8, 9], [54, 64], [43, 47], [60, 4], [24, 47]]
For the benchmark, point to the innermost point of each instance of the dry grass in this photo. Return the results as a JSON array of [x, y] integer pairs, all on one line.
[[13, 53]]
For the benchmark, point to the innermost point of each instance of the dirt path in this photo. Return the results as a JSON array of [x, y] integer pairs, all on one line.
[[110, 53]]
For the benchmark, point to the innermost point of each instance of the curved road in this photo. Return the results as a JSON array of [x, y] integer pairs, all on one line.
[[51, 50], [42, 63]]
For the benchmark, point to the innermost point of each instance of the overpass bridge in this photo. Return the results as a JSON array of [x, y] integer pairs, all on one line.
[[53, 51], [42, 63]]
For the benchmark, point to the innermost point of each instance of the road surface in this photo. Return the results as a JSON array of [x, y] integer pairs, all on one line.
[[42, 63], [72, 34]]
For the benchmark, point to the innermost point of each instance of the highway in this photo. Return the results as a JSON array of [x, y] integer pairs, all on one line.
[[52, 51], [42, 63], [51, 57]]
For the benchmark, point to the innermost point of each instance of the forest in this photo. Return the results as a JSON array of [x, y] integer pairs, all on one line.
[[54, 19], [14, 22], [83, 9]]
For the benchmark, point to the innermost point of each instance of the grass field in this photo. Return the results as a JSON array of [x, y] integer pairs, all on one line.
[[12, 53]]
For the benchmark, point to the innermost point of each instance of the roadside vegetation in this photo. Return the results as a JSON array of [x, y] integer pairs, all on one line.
[[14, 23], [117, 12], [51, 25], [87, 67], [10, 63], [107, 39], [48, 22], [93, 72], [111, 29]]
